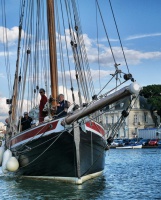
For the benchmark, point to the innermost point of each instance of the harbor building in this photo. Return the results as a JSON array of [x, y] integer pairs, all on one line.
[[140, 116]]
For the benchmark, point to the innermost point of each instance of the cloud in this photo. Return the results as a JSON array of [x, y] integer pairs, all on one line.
[[9, 35], [2, 75], [103, 73], [2, 54], [134, 37], [133, 57], [94, 73], [105, 57], [4, 108]]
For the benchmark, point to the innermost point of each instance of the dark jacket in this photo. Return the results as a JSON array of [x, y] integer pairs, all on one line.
[[60, 109], [26, 123]]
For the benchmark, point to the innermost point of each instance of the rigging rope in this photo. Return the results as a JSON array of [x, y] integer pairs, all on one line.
[[71, 84], [64, 81], [106, 32], [75, 55], [82, 50], [98, 49], [38, 62], [6, 49], [121, 120], [77, 52], [119, 35]]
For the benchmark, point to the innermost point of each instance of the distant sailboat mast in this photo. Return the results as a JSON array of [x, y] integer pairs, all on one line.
[[13, 109]]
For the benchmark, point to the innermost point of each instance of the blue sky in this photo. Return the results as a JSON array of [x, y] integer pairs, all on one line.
[[139, 27], [140, 31], [138, 24]]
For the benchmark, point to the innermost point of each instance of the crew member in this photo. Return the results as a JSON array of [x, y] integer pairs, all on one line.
[[43, 101], [62, 106], [26, 121]]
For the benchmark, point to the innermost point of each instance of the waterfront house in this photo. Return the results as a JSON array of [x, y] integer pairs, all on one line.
[[141, 116]]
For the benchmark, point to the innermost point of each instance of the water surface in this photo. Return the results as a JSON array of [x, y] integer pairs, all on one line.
[[128, 174]]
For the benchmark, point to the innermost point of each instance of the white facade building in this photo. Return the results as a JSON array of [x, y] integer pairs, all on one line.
[[140, 116]]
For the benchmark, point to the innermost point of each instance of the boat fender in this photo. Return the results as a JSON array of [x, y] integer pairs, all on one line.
[[1, 154], [12, 164], [6, 156]]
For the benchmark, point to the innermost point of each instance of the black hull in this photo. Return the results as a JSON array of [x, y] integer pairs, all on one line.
[[55, 155]]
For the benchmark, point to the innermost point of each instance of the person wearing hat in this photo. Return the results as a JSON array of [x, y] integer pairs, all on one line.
[[26, 121], [43, 101]]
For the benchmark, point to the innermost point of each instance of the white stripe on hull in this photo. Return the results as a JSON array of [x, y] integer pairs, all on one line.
[[75, 180]]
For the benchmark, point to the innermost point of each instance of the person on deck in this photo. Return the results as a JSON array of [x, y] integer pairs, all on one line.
[[43, 101], [26, 121], [62, 106]]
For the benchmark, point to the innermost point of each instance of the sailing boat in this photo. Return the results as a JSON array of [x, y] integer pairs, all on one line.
[[70, 148]]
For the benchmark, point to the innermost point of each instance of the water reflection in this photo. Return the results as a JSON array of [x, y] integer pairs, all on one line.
[[47, 189]]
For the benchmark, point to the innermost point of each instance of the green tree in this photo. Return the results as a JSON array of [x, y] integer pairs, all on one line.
[[153, 95]]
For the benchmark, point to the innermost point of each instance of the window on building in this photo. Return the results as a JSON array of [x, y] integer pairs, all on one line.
[[121, 105], [145, 117], [112, 117], [106, 119], [135, 104], [112, 106], [135, 118]]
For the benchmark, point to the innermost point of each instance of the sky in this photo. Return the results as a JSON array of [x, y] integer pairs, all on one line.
[[138, 23]]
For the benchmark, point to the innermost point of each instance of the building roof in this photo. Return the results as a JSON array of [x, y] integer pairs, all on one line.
[[124, 103]]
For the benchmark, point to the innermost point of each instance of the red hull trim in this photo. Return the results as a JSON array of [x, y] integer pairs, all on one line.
[[96, 127], [31, 133]]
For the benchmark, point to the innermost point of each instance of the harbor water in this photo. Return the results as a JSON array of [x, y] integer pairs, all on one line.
[[129, 174]]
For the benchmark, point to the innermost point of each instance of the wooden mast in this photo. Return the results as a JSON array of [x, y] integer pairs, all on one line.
[[52, 50]]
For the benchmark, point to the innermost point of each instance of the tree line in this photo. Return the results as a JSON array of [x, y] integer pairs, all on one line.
[[153, 95]]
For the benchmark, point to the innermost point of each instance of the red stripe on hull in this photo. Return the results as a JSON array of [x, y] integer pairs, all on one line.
[[33, 132], [95, 127]]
